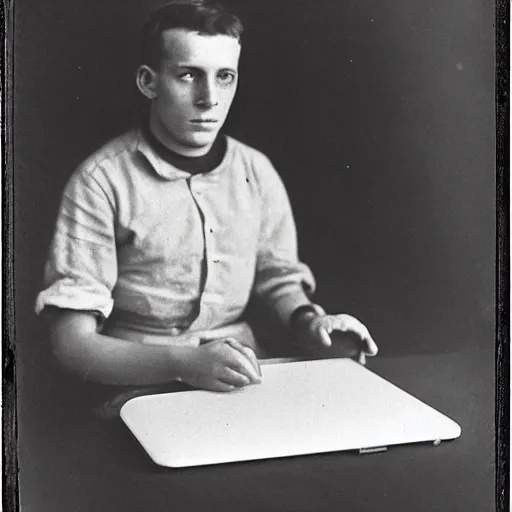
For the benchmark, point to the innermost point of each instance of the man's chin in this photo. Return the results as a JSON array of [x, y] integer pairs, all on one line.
[[192, 144], [196, 145], [200, 140]]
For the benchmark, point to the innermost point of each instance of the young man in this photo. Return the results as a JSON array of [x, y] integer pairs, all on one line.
[[166, 232]]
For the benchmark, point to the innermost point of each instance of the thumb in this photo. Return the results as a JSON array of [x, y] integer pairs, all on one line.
[[323, 336]]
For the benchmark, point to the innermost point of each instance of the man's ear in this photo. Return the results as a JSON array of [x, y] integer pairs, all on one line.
[[147, 82]]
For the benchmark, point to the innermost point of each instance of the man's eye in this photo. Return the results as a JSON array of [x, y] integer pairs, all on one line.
[[226, 78], [187, 77]]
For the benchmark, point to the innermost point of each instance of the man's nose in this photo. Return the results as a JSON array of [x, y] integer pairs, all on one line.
[[207, 94]]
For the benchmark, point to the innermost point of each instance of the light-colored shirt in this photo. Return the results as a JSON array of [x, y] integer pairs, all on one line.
[[158, 250]]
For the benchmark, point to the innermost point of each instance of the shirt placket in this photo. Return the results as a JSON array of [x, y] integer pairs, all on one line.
[[210, 298]]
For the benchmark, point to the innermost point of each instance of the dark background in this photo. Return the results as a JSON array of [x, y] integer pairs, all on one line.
[[379, 116]]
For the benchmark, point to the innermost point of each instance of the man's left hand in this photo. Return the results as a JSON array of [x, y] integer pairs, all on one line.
[[317, 332]]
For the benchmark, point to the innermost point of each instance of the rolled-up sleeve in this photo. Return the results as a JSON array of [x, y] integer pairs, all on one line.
[[281, 280], [81, 269]]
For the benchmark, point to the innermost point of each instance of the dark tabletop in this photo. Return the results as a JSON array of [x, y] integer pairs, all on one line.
[[75, 460]]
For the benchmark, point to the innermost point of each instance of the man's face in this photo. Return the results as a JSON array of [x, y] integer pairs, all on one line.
[[195, 87]]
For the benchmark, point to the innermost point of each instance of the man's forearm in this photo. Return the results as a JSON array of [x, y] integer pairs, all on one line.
[[109, 360]]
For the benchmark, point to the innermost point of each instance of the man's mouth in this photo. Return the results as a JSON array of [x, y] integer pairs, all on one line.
[[203, 121], [204, 125]]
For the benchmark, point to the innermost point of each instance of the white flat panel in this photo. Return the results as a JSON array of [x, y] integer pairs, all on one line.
[[300, 408]]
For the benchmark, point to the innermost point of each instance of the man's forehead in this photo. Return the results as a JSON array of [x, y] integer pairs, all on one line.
[[186, 47]]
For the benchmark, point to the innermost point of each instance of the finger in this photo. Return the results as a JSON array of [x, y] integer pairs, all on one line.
[[328, 322], [362, 358], [372, 348], [222, 386], [349, 323], [233, 378], [324, 336], [354, 325], [245, 351], [319, 330], [252, 357], [240, 361]]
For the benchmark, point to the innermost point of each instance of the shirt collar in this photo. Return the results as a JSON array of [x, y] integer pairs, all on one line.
[[165, 169], [161, 166]]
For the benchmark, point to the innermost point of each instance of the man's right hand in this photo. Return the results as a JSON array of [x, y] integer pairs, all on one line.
[[221, 365]]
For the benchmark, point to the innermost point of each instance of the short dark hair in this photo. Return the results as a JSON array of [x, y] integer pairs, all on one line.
[[203, 16]]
